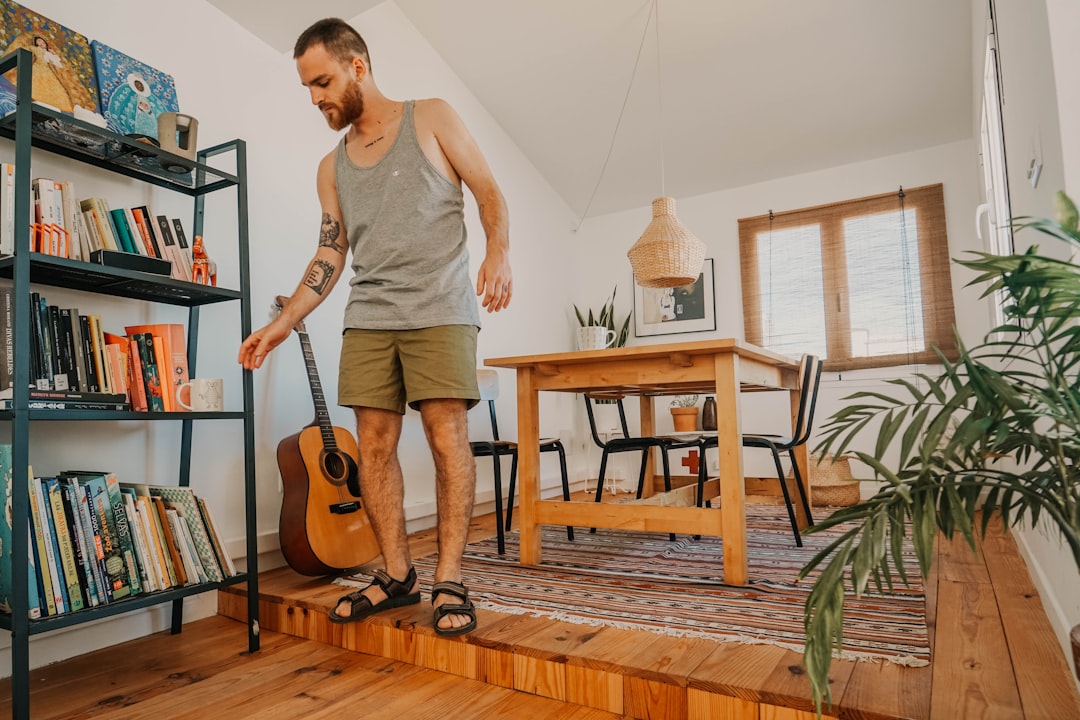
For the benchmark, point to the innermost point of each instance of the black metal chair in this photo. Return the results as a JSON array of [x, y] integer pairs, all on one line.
[[496, 449], [809, 381], [626, 443]]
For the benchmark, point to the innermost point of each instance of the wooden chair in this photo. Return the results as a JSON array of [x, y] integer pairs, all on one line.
[[809, 381], [496, 449]]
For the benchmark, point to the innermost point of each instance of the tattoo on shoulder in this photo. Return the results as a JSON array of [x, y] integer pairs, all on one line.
[[318, 277], [329, 233]]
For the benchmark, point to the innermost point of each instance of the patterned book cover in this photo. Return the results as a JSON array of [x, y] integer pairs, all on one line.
[[62, 71], [183, 500], [132, 93], [66, 561], [124, 532], [117, 579]]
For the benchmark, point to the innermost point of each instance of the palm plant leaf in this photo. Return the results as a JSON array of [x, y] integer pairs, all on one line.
[[998, 429]]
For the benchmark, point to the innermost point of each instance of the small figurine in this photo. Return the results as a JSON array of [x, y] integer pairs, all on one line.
[[203, 269]]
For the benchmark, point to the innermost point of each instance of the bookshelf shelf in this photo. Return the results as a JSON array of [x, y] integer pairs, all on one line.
[[34, 129], [119, 607]]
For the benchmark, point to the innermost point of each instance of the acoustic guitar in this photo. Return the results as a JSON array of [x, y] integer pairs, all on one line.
[[323, 528]]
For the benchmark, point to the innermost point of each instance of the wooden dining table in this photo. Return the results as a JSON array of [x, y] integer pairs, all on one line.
[[725, 367]]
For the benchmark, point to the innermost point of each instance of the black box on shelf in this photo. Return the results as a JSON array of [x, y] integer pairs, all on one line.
[[131, 261]]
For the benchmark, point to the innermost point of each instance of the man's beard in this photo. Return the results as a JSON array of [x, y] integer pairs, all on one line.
[[351, 107]]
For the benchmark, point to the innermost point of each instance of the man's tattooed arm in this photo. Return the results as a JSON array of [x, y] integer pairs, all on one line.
[[319, 274], [329, 234]]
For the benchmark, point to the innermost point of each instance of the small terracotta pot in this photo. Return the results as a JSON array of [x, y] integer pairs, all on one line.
[[684, 418]]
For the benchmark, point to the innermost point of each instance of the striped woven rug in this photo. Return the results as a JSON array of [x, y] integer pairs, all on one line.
[[644, 581]]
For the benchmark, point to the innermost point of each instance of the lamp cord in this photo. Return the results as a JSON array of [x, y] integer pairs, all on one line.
[[660, 95], [618, 122]]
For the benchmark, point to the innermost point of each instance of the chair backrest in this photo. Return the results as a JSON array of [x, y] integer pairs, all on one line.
[[592, 421], [809, 381], [488, 382]]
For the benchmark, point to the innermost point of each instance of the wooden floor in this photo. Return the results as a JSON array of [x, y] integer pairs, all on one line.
[[994, 657]]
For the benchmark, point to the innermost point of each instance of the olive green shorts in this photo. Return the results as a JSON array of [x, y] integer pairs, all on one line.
[[388, 368]]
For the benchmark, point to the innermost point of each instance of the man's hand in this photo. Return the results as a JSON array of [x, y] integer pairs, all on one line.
[[494, 281], [258, 344]]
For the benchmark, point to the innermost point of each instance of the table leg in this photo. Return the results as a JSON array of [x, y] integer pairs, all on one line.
[[648, 429], [528, 402], [732, 490]]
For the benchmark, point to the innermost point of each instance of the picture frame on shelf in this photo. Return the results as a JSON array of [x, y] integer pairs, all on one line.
[[64, 74], [131, 93], [665, 311]]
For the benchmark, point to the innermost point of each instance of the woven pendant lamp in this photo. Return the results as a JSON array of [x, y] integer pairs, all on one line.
[[667, 254]]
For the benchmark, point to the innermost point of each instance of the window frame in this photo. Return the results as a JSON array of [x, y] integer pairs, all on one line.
[[934, 272]]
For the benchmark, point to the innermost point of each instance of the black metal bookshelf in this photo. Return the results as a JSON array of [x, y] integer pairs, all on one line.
[[33, 129]]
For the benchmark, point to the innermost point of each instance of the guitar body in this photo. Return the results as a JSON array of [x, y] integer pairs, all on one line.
[[323, 527]]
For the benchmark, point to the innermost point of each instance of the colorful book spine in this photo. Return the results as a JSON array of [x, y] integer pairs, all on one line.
[[116, 568], [84, 550], [73, 590], [45, 587], [56, 580], [123, 532]]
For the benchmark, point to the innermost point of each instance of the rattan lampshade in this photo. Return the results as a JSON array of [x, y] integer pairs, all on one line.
[[667, 254]]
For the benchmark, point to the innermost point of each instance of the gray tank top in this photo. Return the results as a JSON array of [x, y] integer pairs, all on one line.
[[406, 227]]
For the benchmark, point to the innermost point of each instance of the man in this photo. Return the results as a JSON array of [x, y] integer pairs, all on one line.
[[391, 192]]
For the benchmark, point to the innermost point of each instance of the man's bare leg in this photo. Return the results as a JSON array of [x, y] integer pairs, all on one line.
[[446, 426], [383, 490]]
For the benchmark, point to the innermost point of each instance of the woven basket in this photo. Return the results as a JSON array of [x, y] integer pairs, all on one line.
[[667, 254], [831, 483]]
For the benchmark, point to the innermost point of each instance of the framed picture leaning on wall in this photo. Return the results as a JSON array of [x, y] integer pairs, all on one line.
[[664, 311]]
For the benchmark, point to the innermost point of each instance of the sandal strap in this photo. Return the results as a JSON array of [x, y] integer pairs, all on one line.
[[449, 588], [392, 587]]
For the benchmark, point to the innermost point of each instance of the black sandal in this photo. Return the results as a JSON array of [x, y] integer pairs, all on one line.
[[397, 595], [465, 607]]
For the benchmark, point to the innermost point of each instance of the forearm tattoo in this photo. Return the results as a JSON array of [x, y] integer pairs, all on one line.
[[329, 233], [319, 274]]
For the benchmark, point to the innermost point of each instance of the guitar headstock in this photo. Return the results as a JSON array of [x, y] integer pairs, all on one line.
[[279, 304]]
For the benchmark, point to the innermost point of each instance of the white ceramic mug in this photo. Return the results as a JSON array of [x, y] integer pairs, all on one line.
[[205, 395], [594, 337]]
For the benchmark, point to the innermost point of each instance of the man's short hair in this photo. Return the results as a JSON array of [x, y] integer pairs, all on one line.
[[338, 37]]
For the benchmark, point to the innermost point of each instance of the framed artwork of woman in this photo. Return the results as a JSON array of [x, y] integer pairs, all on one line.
[[63, 73]]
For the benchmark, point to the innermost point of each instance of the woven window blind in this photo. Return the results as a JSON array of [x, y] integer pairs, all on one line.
[[858, 282]]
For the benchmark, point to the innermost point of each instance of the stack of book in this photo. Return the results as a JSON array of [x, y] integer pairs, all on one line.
[[95, 540], [76, 364], [65, 226]]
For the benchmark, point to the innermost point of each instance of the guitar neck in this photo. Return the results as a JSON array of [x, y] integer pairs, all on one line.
[[322, 415]]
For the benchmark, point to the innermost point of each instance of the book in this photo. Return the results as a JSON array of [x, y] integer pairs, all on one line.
[[7, 337], [117, 578], [7, 209], [123, 232], [163, 364], [136, 235], [47, 597], [97, 342], [56, 582], [176, 564], [78, 238], [151, 380], [228, 568], [157, 539], [95, 207], [73, 590], [136, 386], [172, 366], [33, 580], [148, 222], [147, 579], [93, 372], [181, 530], [6, 530], [151, 538], [185, 248], [83, 546], [91, 520], [182, 499]]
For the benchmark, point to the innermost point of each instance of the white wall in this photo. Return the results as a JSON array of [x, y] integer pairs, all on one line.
[[1040, 58]]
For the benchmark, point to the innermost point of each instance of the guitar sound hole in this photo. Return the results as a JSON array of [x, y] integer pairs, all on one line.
[[334, 466]]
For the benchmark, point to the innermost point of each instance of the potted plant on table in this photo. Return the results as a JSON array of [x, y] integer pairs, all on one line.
[[605, 318], [684, 413], [996, 431]]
